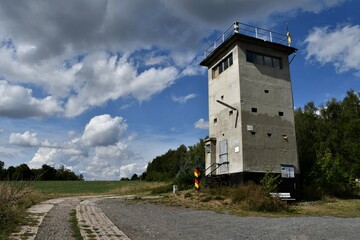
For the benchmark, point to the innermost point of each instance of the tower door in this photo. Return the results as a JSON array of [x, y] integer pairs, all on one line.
[[223, 155]]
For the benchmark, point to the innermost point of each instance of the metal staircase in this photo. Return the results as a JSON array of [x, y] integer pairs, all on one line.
[[216, 180]]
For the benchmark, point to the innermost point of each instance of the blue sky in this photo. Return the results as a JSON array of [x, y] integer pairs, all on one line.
[[102, 87]]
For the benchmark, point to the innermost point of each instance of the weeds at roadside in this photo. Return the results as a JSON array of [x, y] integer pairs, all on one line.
[[256, 197], [15, 197], [75, 226]]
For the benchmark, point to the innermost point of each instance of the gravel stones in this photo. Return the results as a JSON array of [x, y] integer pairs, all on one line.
[[142, 220], [56, 225]]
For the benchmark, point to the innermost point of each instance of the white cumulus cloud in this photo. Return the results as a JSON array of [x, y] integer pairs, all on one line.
[[105, 78], [103, 130], [129, 169], [99, 153], [28, 139], [338, 46], [201, 124], [183, 99], [18, 102]]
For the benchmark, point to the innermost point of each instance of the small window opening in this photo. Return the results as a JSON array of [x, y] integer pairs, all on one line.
[[215, 120], [269, 134], [254, 110], [266, 91], [253, 133], [222, 97], [281, 114], [222, 66], [231, 112], [259, 58]]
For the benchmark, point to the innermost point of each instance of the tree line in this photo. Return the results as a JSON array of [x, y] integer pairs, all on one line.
[[177, 165], [328, 140], [45, 173]]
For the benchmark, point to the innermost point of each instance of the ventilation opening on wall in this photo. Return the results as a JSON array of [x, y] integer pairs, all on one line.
[[253, 133], [254, 110], [222, 97], [231, 112], [269, 134], [215, 120], [266, 91], [281, 114]]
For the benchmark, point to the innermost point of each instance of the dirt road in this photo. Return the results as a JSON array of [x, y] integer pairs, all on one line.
[[116, 218]]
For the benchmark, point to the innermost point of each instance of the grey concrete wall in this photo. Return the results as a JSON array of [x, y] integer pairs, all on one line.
[[226, 87], [210, 155], [272, 141]]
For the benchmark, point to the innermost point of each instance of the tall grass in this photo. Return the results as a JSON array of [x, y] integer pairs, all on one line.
[[250, 196], [256, 197], [54, 189], [15, 197]]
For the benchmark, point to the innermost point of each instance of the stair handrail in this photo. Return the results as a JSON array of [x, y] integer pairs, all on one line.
[[218, 165]]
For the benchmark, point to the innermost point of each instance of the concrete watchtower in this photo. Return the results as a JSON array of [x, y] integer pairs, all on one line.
[[251, 109]]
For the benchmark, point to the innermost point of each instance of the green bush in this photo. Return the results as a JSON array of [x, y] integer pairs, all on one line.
[[270, 182], [14, 198]]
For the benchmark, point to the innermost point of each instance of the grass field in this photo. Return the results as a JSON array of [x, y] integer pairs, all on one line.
[[76, 188], [80, 187]]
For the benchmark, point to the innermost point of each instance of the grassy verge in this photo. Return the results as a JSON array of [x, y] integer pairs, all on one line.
[[15, 197], [75, 226], [225, 200]]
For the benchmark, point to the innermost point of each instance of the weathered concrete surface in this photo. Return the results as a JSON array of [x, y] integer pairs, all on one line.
[[53, 217], [94, 223], [36, 217]]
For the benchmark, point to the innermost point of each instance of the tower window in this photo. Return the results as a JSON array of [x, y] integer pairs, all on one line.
[[215, 120], [253, 133], [266, 60], [254, 110], [222, 66], [266, 91], [269, 134], [281, 114]]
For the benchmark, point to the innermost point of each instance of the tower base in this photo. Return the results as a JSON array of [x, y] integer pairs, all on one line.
[[286, 185]]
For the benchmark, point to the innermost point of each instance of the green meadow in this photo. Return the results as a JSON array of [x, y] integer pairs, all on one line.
[[80, 188]]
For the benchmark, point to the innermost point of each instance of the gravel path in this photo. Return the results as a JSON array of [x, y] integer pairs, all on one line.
[[142, 220], [56, 224]]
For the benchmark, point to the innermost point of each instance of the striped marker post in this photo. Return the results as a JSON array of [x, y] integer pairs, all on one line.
[[197, 180]]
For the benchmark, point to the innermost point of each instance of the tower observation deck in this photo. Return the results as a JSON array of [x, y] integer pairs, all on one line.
[[250, 31]]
